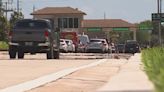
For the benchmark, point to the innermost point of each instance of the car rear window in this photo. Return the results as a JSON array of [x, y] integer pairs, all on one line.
[[95, 40], [131, 45], [84, 39], [32, 24]]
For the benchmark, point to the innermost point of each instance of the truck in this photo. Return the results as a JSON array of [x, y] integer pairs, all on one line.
[[33, 36]]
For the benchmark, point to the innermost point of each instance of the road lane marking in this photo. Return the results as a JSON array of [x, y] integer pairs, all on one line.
[[47, 78]]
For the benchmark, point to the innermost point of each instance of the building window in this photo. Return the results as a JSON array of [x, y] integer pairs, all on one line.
[[59, 23], [65, 22], [76, 23], [68, 22]]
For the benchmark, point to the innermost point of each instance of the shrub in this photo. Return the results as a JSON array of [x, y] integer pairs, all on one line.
[[3, 45], [153, 60]]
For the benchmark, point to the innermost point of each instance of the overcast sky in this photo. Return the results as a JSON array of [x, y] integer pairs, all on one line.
[[130, 10]]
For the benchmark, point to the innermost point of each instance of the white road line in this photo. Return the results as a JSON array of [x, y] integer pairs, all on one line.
[[47, 79]]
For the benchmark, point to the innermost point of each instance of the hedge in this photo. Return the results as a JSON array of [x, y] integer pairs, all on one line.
[[153, 61]]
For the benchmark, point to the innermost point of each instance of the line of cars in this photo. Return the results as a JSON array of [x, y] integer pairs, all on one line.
[[100, 46]]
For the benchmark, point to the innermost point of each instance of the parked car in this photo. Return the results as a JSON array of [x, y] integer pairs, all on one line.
[[112, 48], [72, 35], [70, 45], [120, 48], [33, 36], [132, 47], [84, 40], [63, 45], [97, 45]]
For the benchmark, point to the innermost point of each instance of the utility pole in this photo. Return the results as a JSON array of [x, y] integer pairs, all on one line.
[[0, 7], [7, 9], [18, 7], [159, 9], [33, 10]]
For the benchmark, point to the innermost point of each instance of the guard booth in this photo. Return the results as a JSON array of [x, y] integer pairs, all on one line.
[[67, 19]]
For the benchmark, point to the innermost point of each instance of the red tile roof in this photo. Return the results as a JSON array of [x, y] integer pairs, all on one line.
[[57, 10], [106, 23]]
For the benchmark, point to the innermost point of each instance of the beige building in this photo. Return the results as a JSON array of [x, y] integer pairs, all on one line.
[[66, 18], [72, 19]]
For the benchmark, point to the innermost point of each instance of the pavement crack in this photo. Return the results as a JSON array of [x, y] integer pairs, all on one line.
[[85, 80]]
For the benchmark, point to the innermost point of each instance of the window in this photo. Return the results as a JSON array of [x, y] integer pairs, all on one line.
[[76, 22], [59, 23], [65, 22], [68, 22]]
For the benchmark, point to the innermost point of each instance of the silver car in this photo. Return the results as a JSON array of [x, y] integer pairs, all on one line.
[[97, 45]]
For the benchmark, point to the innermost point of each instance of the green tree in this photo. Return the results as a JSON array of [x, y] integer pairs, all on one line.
[[3, 28], [15, 16], [144, 32]]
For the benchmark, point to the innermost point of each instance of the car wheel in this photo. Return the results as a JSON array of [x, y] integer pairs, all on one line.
[[12, 52], [56, 54], [20, 53], [49, 55]]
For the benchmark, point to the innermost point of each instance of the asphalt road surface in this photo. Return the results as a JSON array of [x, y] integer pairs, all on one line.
[[14, 72], [69, 56]]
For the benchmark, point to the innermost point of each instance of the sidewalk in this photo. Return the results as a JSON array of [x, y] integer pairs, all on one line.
[[131, 78]]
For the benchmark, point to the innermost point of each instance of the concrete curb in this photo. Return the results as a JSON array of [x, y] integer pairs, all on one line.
[[48, 78]]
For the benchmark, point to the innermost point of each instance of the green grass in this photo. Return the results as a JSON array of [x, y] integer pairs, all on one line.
[[153, 60], [3, 45]]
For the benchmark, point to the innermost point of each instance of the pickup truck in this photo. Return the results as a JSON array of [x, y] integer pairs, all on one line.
[[33, 36]]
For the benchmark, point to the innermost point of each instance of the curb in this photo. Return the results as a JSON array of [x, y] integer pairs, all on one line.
[[47, 78]]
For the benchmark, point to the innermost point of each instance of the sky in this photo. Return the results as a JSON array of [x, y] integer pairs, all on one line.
[[133, 11]]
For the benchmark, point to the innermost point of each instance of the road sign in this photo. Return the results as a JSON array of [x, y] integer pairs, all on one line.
[[156, 17], [120, 29], [94, 29]]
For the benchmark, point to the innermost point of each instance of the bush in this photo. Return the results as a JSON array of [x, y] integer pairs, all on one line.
[[3, 45], [153, 60]]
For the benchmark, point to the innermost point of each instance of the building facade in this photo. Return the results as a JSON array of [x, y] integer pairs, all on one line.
[[72, 19], [65, 18]]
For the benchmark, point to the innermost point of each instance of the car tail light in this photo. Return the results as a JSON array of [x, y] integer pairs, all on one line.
[[46, 34]]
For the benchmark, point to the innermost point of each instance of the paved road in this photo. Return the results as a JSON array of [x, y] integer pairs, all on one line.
[[14, 72], [69, 56]]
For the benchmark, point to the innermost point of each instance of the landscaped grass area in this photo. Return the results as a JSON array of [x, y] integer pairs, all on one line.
[[153, 60], [3, 45]]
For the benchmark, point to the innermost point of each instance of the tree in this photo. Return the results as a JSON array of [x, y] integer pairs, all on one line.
[[15, 16], [3, 28], [144, 32]]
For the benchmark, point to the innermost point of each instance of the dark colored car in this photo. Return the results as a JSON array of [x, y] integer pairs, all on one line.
[[33, 36], [120, 48], [132, 47]]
